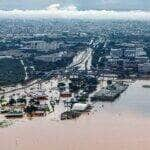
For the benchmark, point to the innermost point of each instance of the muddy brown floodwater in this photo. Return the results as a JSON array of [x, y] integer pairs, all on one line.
[[122, 125]]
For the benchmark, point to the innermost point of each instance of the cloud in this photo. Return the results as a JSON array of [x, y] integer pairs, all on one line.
[[71, 12]]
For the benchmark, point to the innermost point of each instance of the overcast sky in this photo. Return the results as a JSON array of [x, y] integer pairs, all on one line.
[[76, 9], [80, 4]]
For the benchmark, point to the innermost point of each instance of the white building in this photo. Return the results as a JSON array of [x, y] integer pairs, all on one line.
[[142, 59], [39, 45], [144, 68], [130, 53], [44, 46], [140, 52], [116, 53]]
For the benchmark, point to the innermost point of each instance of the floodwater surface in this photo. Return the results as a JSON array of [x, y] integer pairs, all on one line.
[[121, 125]]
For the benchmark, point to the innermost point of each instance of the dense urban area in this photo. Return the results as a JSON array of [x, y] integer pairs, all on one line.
[[36, 48], [44, 61]]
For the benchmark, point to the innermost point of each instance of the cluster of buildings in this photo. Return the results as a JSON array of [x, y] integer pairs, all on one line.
[[128, 61], [41, 45], [53, 57]]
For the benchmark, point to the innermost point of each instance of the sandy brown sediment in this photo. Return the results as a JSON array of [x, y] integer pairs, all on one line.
[[95, 131]]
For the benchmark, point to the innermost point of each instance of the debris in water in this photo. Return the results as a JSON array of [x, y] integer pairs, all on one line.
[[5, 123]]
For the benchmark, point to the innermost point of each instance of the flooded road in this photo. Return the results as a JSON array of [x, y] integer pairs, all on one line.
[[121, 125]]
